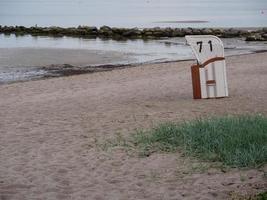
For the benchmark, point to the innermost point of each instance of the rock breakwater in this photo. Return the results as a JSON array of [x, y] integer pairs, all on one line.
[[250, 34]]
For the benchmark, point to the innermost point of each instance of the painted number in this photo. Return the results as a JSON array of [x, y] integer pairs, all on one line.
[[200, 46], [210, 45]]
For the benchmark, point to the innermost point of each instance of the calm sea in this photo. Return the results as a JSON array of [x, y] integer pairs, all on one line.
[[134, 13]]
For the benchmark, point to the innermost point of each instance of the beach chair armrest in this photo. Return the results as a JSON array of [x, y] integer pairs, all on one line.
[[211, 61]]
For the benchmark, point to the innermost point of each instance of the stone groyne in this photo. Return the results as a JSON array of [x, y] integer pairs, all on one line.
[[249, 34]]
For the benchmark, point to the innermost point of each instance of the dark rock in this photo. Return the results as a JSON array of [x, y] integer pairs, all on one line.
[[156, 29], [131, 32], [71, 31], [147, 32], [44, 30], [105, 31], [55, 30], [87, 30], [149, 37], [177, 32], [152, 32], [187, 31], [251, 38], [244, 33], [206, 31], [105, 28], [229, 33], [8, 29], [158, 32], [20, 28], [19, 34], [168, 32], [82, 32], [36, 30], [119, 31], [218, 32], [118, 37], [196, 31], [255, 37]]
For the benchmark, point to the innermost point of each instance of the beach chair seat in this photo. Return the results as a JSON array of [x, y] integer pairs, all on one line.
[[209, 73]]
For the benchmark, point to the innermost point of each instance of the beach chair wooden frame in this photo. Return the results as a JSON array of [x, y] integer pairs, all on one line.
[[209, 73]]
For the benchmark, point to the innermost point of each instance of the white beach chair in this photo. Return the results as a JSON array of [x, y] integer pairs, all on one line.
[[209, 74]]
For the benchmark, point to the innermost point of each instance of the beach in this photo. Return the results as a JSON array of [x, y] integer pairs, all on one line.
[[52, 131]]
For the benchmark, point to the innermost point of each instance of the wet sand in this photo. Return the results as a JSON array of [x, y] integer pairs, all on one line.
[[38, 57], [51, 130], [22, 64]]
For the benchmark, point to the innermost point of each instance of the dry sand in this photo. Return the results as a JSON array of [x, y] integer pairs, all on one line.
[[49, 133]]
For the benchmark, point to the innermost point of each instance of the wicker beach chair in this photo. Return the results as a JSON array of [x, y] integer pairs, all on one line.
[[209, 73]]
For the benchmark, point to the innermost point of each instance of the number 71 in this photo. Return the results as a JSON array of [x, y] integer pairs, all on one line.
[[200, 45]]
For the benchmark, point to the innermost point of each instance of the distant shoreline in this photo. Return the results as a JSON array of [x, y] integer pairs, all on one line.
[[63, 70], [249, 34]]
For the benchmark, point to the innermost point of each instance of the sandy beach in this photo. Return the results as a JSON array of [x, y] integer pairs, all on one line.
[[50, 131]]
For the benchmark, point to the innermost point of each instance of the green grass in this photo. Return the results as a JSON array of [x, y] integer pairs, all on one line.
[[239, 141], [261, 196]]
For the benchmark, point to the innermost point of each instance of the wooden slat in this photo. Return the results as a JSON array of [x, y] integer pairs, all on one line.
[[196, 81], [211, 82]]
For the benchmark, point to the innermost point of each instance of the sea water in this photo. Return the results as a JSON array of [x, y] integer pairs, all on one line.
[[16, 64]]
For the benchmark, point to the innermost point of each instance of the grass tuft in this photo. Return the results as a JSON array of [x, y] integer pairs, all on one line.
[[261, 196], [239, 141]]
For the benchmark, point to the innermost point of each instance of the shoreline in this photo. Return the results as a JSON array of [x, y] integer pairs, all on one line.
[[65, 70], [72, 70], [43, 59], [250, 34]]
